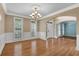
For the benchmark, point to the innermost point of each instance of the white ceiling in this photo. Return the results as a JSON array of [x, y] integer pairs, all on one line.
[[25, 9]]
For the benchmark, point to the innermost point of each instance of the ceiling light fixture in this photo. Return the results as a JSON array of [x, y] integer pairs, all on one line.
[[35, 13]]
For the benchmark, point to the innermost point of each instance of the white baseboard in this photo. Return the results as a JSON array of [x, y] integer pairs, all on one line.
[[2, 42]]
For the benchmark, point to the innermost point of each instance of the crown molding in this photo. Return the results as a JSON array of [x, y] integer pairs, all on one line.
[[52, 14], [66, 18], [12, 14], [62, 10]]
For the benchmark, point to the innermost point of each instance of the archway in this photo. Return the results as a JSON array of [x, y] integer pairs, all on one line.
[[66, 27]]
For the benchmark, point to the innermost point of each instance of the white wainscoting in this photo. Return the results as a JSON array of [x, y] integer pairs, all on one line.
[[42, 35], [26, 36], [2, 42], [9, 37]]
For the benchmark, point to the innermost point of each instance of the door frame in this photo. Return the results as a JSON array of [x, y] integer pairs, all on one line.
[[47, 28]]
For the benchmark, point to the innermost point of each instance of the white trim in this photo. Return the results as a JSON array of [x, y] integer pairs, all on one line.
[[62, 10], [13, 14], [65, 18], [49, 33]]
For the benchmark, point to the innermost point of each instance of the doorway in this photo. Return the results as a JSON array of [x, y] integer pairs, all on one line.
[[49, 30], [68, 28]]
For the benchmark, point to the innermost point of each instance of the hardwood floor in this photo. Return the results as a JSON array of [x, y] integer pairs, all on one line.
[[38, 47]]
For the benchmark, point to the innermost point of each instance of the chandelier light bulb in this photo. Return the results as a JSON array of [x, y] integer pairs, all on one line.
[[36, 12]]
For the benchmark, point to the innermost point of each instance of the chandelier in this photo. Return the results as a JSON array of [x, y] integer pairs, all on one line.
[[35, 13]]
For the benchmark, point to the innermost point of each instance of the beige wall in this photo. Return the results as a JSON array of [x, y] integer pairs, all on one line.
[[42, 26], [9, 24], [2, 20], [26, 25]]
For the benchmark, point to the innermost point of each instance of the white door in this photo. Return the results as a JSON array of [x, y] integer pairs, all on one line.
[[49, 31], [18, 28]]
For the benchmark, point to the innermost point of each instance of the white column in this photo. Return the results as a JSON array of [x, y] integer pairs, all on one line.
[[63, 29], [59, 29]]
